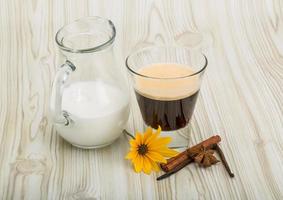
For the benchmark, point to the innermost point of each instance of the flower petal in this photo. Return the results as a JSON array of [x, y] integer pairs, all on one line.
[[132, 155], [134, 149], [151, 139], [153, 136], [138, 138], [146, 165], [133, 143], [156, 157], [158, 131], [154, 165], [166, 152], [160, 142], [138, 163], [147, 135]]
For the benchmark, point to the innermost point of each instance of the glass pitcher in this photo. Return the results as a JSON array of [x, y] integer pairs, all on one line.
[[90, 98]]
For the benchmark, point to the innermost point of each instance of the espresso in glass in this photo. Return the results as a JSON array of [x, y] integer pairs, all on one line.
[[165, 94], [166, 81]]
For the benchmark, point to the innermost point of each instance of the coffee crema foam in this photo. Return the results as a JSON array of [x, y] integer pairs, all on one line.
[[166, 85]]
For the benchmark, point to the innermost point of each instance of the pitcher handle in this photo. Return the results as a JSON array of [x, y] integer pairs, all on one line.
[[60, 116]]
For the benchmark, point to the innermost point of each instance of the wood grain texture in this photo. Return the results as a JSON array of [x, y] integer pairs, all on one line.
[[241, 99]]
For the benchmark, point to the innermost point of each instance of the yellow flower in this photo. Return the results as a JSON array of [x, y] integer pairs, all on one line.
[[148, 149]]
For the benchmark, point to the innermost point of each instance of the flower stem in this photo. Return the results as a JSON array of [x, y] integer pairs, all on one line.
[[129, 134]]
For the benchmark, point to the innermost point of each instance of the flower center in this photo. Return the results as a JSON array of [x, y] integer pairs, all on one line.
[[142, 149]]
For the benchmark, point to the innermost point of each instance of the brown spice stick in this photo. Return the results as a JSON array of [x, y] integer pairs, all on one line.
[[179, 167], [223, 159], [174, 162]]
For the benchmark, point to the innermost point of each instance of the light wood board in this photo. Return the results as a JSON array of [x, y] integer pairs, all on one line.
[[241, 99]]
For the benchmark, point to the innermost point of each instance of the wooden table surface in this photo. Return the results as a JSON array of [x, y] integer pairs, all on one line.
[[241, 99]]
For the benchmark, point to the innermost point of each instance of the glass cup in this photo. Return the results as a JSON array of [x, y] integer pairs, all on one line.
[[166, 81]]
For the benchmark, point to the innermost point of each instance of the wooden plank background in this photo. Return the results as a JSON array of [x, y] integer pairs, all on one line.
[[241, 99]]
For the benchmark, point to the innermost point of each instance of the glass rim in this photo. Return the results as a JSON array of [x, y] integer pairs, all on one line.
[[171, 78], [99, 47]]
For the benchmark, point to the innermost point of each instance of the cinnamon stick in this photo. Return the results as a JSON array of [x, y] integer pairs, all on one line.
[[186, 156], [179, 167]]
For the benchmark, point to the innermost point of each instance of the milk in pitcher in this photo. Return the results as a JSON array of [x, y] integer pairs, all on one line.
[[97, 111]]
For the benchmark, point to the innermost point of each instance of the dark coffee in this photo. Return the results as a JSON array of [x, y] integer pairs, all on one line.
[[170, 115], [167, 94]]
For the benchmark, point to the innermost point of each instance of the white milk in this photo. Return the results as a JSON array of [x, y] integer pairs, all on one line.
[[99, 112]]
